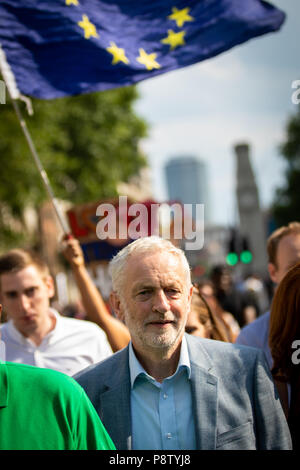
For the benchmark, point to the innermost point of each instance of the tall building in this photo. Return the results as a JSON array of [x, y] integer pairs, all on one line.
[[187, 182], [251, 217]]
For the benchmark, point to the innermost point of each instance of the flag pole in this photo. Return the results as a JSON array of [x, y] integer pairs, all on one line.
[[40, 168], [14, 94]]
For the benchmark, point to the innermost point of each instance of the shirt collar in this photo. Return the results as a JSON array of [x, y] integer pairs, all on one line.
[[136, 369], [58, 326], [21, 339]]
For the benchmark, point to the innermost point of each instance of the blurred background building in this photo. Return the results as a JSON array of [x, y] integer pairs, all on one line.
[[251, 220], [187, 182]]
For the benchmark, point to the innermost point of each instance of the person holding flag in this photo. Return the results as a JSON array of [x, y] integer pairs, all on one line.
[[95, 309]]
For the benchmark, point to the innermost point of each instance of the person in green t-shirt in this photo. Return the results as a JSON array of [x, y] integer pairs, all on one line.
[[42, 409]]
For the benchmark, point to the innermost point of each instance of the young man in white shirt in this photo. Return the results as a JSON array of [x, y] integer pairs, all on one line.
[[35, 334]]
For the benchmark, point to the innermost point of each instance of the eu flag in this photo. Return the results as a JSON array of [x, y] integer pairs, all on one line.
[[66, 47]]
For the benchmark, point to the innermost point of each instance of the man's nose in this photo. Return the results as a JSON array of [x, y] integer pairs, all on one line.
[[160, 302], [24, 302]]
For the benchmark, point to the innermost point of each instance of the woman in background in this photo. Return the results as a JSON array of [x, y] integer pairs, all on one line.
[[203, 322], [206, 289], [284, 340]]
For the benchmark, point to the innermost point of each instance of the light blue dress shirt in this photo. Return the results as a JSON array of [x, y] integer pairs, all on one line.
[[162, 413]]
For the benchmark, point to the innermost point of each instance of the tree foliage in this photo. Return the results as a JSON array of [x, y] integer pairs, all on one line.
[[87, 144], [286, 207]]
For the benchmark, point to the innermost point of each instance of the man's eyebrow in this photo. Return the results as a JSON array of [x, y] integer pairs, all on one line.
[[9, 292], [15, 291], [172, 284], [149, 285], [142, 285]]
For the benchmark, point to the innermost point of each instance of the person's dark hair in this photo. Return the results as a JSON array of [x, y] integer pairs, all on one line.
[[293, 228], [218, 270], [17, 259], [285, 323], [208, 319], [221, 276], [284, 330]]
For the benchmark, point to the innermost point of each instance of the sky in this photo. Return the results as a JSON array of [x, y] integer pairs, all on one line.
[[243, 95]]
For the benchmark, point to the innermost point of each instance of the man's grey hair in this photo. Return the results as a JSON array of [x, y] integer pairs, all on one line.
[[143, 246]]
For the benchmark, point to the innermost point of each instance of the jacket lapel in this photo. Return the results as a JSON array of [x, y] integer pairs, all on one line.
[[116, 416], [115, 400], [115, 403], [205, 402], [205, 396]]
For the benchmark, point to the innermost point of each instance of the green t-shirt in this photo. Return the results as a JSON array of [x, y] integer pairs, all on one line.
[[42, 409]]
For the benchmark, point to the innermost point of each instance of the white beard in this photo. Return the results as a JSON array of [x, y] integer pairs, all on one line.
[[151, 337]]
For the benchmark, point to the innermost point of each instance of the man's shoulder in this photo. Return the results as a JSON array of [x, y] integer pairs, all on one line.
[[255, 332], [258, 322], [47, 380], [220, 352], [110, 368], [75, 325], [3, 326]]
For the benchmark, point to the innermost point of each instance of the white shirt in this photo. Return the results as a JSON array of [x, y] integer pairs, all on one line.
[[70, 347]]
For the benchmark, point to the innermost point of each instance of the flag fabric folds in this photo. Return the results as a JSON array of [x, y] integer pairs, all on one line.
[[67, 47]]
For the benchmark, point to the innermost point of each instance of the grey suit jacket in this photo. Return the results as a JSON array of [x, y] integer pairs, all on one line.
[[236, 405]]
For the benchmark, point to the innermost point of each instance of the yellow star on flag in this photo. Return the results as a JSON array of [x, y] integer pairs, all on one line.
[[180, 16], [148, 60], [174, 39], [118, 54], [88, 27], [72, 2]]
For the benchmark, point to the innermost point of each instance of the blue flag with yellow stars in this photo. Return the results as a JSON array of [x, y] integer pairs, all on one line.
[[67, 47]]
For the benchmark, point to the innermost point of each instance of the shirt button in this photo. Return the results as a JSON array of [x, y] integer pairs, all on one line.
[[165, 396], [169, 435]]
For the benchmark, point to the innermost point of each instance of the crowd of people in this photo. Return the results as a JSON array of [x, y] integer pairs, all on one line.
[[138, 377]]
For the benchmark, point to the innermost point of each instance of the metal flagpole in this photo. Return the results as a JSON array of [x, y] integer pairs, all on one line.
[[40, 167], [14, 94]]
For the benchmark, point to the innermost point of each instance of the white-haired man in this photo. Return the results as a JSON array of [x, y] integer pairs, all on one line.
[[169, 390]]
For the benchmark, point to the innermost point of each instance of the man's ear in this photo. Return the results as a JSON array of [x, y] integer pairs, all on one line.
[[116, 305], [190, 296], [272, 272], [50, 286]]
